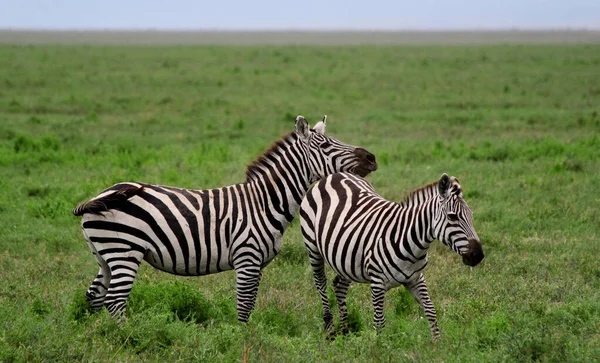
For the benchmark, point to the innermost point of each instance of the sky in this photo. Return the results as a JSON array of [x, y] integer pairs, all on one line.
[[299, 15]]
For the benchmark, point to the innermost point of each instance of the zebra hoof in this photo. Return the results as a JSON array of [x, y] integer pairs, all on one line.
[[330, 335]]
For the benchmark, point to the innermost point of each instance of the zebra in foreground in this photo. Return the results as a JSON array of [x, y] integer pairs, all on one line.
[[365, 238], [200, 232]]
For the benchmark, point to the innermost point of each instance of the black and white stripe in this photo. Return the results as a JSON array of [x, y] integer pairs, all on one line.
[[365, 238], [200, 232]]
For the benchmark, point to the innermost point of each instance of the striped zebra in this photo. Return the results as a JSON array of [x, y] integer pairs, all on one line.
[[200, 232], [365, 238]]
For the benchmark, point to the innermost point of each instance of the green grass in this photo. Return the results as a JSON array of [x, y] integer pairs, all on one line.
[[518, 125]]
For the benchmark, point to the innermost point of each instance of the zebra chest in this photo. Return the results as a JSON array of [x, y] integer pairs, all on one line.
[[272, 252], [411, 269], [399, 273], [273, 247], [393, 265], [277, 245]]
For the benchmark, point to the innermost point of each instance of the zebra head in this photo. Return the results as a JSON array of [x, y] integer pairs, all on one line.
[[453, 222], [328, 155]]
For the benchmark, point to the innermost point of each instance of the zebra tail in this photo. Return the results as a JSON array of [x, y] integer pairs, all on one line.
[[107, 202]]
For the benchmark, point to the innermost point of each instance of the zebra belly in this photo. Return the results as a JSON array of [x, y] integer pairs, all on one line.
[[178, 252], [346, 258]]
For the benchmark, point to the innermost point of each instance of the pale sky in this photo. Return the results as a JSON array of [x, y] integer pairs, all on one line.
[[300, 15]]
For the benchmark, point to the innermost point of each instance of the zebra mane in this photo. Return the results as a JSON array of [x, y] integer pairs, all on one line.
[[430, 190], [420, 194], [254, 167]]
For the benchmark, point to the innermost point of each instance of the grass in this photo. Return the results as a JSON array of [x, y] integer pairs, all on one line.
[[518, 125]]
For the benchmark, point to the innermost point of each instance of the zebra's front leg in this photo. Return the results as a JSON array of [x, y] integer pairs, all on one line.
[[378, 296], [247, 280], [340, 286], [418, 289]]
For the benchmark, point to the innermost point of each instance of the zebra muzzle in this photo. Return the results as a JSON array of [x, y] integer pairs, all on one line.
[[367, 162], [474, 254]]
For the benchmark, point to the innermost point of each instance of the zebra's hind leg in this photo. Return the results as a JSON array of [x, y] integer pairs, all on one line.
[[318, 267], [418, 289], [340, 286], [378, 296], [247, 280], [96, 293], [124, 267]]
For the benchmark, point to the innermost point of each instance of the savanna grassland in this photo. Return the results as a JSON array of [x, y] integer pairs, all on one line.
[[518, 125]]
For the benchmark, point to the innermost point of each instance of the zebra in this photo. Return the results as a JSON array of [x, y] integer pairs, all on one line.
[[200, 232], [367, 239]]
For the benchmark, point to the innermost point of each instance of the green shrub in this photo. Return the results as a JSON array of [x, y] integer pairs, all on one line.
[[185, 302], [404, 302], [355, 322], [277, 321], [49, 208], [79, 308], [294, 254], [26, 143], [40, 308]]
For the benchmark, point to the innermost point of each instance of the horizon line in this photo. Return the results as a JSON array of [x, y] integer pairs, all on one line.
[[315, 30]]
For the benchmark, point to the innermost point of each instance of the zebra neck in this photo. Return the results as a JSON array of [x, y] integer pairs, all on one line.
[[420, 231], [279, 179]]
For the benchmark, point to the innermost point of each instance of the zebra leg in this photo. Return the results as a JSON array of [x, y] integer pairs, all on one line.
[[247, 280], [378, 296], [321, 283], [123, 269], [96, 293], [418, 289], [318, 266], [340, 286]]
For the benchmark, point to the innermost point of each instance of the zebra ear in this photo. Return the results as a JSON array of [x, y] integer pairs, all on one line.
[[302, 127], [444, 185], [320, 126]]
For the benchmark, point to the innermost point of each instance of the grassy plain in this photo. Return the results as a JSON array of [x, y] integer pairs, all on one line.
[[518, 125]]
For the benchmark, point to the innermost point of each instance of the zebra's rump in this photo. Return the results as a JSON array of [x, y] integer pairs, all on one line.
[[333, 227], [357, 232], [111, 198], [181, 231]]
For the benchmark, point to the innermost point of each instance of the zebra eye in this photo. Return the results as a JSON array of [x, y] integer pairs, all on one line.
[[326, 144], [452, 216]]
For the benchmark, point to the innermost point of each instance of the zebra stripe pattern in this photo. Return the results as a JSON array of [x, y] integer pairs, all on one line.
[[367, 239], [199, 232]]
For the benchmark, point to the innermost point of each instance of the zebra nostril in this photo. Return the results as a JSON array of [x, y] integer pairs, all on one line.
[[475, 247], [366, 160], [474, 254], [371, 158]]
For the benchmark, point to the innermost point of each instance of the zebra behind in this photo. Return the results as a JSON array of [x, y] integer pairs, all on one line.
[[365, 238], [200, 232]]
